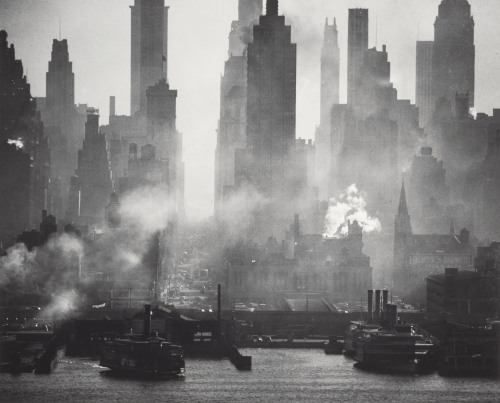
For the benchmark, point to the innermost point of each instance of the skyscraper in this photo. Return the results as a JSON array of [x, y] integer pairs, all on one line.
[[60, 85], [454, 52], [357, 44], [329, 95], [93, 173], [423, 82], [330, 66], [271, 101], [149, 44], [24, 152], [231, 134]]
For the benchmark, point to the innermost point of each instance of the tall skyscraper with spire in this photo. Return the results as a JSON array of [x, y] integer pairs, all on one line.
[[454, 52], [149, 45], [357, 44]]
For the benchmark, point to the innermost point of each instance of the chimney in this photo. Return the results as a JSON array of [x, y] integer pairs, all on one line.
[[112, 106], [376, 316], [147, 320], [385, 299], [219, 304], [370, 306], [296, 227]]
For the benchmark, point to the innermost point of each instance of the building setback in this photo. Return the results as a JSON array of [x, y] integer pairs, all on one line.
[[271, 104], [149, 41]]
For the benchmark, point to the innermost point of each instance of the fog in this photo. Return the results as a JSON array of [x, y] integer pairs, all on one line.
[[98, 34]]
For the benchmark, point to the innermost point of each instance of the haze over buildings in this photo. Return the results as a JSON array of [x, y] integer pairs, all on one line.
[[205, 41]]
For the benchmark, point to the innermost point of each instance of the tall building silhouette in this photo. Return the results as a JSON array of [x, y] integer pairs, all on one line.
[[423, 82], [24, 151], [330, 67], [329, 95], [271, 103], [149, 45], [454, 52], [93, 174], [357, 44], [231, 134]]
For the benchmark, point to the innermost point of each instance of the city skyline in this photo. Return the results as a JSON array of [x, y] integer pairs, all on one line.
[[100, 52]]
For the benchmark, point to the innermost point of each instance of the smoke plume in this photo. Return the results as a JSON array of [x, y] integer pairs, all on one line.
[[349, 206]]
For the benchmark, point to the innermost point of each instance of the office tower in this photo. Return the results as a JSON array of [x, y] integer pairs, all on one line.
[[454, 52], [24, 151], [423, 82], [357, 44], [93, 174], [271, 101], [231, 134], [330, 65], [149, 44], [329, 95]]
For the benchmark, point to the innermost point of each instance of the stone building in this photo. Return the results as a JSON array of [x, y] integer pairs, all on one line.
[[417, 256], [336, 269]]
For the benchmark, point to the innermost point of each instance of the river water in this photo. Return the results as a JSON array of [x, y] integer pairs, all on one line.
[[277, 375]]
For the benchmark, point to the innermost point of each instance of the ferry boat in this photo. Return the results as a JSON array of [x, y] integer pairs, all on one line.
[[353, 333], [143, 355], [398, 349]]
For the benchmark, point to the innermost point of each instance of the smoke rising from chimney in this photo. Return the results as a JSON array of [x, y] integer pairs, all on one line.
[[349, 206]]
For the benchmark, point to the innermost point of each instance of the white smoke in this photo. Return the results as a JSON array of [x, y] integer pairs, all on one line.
[[349, 206], [150, 208], [17, 142]]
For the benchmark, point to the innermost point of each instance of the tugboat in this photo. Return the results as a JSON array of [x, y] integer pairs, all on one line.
[[143, 355]]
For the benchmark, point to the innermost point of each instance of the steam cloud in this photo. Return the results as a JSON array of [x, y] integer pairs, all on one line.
[[349, 206], [57, 268]]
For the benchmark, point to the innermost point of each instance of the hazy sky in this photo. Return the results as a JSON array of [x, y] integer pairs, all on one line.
[[98, 33]]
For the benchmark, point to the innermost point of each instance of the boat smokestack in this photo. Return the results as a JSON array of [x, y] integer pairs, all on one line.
[[219, 299], [391, 315], [147, 320], [385, 299], [370, 306], [376, 316]]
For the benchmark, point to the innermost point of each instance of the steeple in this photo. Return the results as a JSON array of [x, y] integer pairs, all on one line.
[[402, 209], [272, 8], [402, 223]]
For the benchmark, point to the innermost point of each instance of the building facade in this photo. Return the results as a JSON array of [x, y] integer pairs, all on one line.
[[149, 52], [423, 82], [453, 58]]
